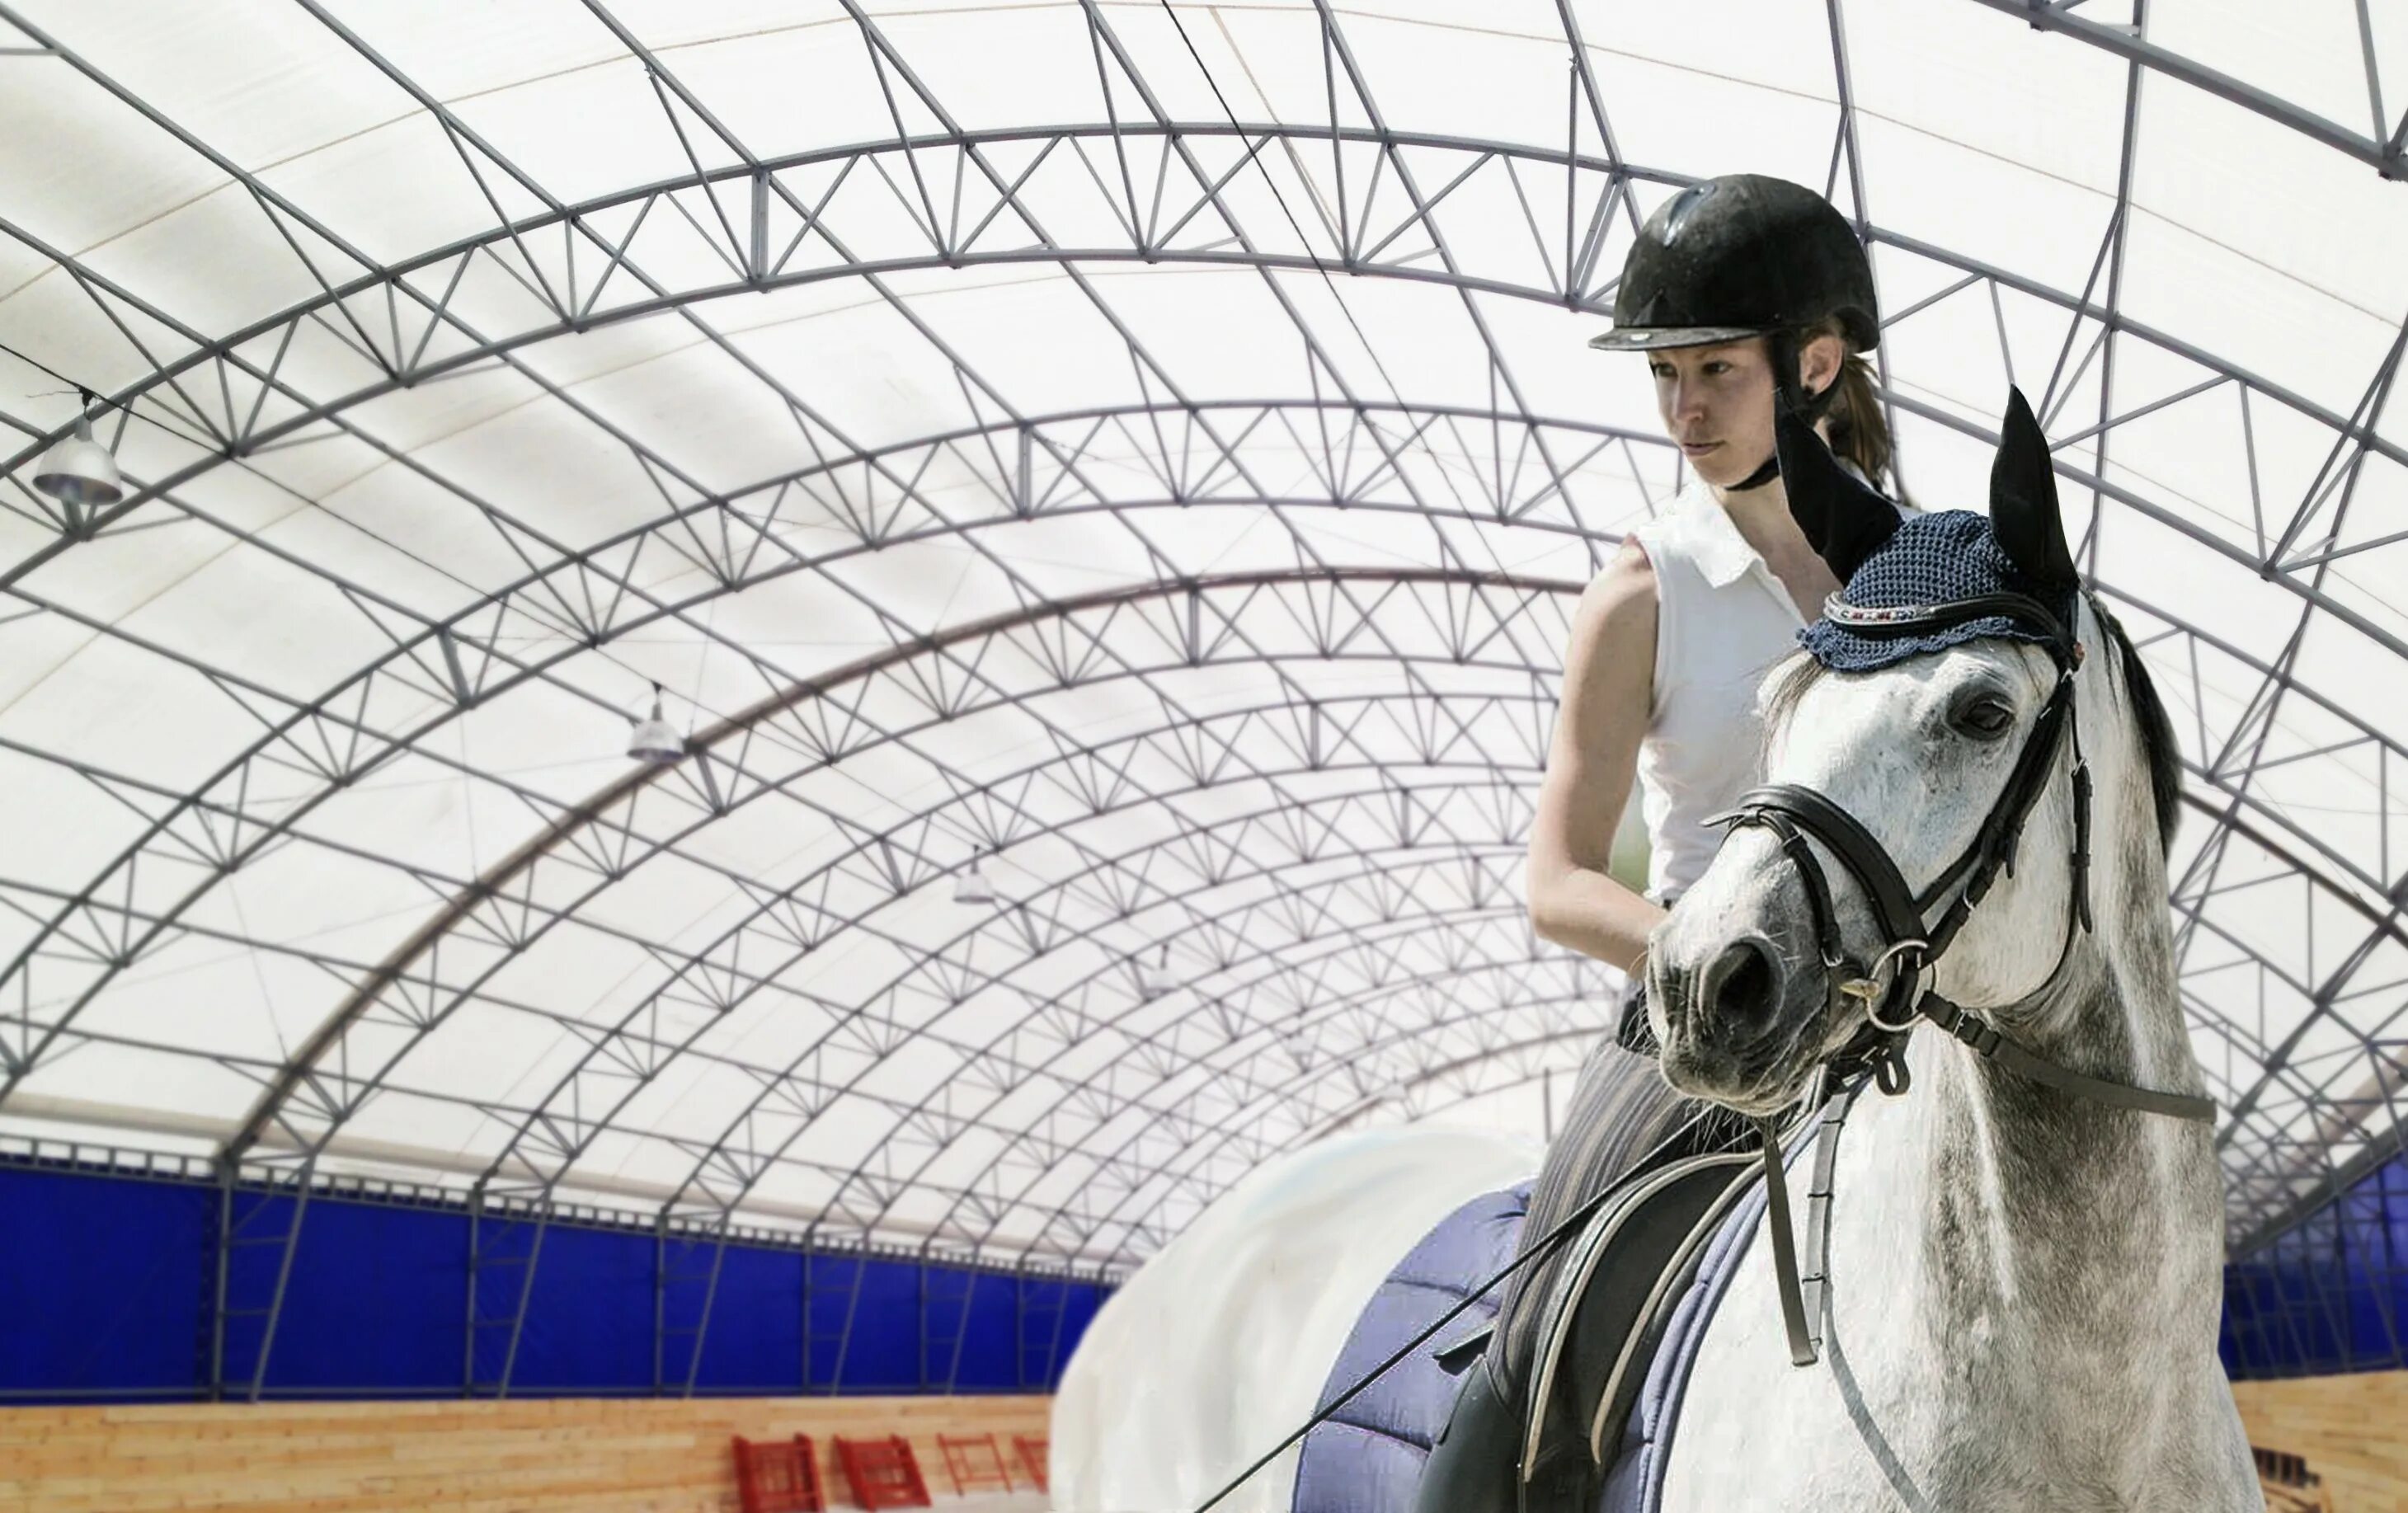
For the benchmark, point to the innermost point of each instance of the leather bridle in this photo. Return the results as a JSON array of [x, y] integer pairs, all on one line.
[[1895, 987]]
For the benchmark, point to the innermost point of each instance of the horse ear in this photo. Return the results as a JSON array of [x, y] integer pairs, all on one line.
[[1844, 521], [2024, 514]]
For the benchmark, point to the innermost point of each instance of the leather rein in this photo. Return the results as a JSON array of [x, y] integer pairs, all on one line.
[[1896, 986]]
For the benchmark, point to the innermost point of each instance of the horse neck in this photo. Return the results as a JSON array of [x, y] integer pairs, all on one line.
[[2079, 1244], [2098, 1225]]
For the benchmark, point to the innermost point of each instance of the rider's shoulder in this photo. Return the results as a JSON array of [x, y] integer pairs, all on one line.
[[1623, 590]]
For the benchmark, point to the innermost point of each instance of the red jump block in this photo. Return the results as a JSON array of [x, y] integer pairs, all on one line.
[[973, 1460], [883, 1473], [1034, 1448], [779, 1476]]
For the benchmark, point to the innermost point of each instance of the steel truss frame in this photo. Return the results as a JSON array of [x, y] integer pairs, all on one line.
[[1432, 781]]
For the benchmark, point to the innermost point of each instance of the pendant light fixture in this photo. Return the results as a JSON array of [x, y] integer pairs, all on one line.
[[1154, 982], [653, 740], [973, 886], [80, 471]]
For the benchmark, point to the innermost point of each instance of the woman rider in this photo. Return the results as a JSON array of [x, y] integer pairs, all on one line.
[[1744, 292]]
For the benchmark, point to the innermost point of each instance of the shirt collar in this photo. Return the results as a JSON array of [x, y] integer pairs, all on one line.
[[1723, 554]]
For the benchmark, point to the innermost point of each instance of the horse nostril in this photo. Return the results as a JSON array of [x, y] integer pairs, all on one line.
[[1741, 984]]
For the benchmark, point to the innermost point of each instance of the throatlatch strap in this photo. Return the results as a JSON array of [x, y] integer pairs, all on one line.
[[1990, 1045]]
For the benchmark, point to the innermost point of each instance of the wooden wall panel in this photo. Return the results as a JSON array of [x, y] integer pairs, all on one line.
[[567, 1455], [2353, 1430]]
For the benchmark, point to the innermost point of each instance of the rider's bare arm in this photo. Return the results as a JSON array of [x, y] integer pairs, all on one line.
[[1609, 675]]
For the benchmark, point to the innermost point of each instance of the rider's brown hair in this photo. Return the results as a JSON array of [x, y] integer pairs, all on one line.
[[1859, 427]]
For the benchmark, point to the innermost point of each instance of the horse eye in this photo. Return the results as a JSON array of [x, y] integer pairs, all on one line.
[[1984, 717]]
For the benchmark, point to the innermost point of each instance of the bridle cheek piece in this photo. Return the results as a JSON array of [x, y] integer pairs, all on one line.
[[1895, 988]]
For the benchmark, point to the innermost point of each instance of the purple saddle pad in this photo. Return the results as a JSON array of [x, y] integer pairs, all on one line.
[[1367, 1457]]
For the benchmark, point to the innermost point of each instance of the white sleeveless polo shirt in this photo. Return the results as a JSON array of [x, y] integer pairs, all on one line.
[[1722, 620]]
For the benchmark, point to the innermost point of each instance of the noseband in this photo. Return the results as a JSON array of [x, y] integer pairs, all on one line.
[[1896, 986]]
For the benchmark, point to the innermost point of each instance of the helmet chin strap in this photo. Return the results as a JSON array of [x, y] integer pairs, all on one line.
[[1765, 473], [1782, 346]]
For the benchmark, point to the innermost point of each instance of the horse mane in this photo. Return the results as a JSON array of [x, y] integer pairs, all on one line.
[[2158, 746], [2158, 742]]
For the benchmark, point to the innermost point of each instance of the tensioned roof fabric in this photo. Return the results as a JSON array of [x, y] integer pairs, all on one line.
[[1146, 450]]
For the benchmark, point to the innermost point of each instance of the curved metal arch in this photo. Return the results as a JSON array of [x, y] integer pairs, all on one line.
[[1371, 1104], [265, 834], [719, 1215], [1241, 1121], [2110, 318], [2306, 876], [1505, 1008], [2353, 722], [963, 1194], [2248, 1225], [735, 729], [1450, 852], [1565, 964], [1147, 1220], [1243, 1118], [1202, 1073], [905, 1183], [1193, 1161], [1490, 778], [1446, 855], [761, 179], [437, 651], [2384, 157], [722, 1207], [1478, 1012]]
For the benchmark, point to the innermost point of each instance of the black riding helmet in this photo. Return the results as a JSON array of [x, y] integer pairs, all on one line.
[[1745, 255]]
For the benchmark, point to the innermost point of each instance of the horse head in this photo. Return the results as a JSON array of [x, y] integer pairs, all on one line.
[[1951, 742]]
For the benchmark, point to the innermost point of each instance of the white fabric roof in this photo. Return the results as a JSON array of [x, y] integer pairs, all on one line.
[[1151, 447]]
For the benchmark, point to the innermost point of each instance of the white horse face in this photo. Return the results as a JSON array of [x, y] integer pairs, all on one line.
[[1918, 753]]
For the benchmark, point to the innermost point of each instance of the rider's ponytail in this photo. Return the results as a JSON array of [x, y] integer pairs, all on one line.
[[1860, 429]]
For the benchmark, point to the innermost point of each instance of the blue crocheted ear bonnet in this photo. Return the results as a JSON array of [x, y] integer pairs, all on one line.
[[1935, 559], [1926, 582]]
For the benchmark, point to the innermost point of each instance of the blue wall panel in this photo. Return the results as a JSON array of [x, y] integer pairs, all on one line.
[[101, 1283], [104, 1284], [988, 1359], [589, 1322], [376, 1299], [883, 1354], [832, 1279], [756, 1342], [2328, 1296]]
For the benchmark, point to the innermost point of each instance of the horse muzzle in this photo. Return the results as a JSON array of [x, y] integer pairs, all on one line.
[[1745, 1012]]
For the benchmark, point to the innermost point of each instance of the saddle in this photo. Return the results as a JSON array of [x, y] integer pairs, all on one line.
[[1598, 1333]]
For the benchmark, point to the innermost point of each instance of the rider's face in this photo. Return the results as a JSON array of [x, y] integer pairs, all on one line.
[[1716, 402]]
